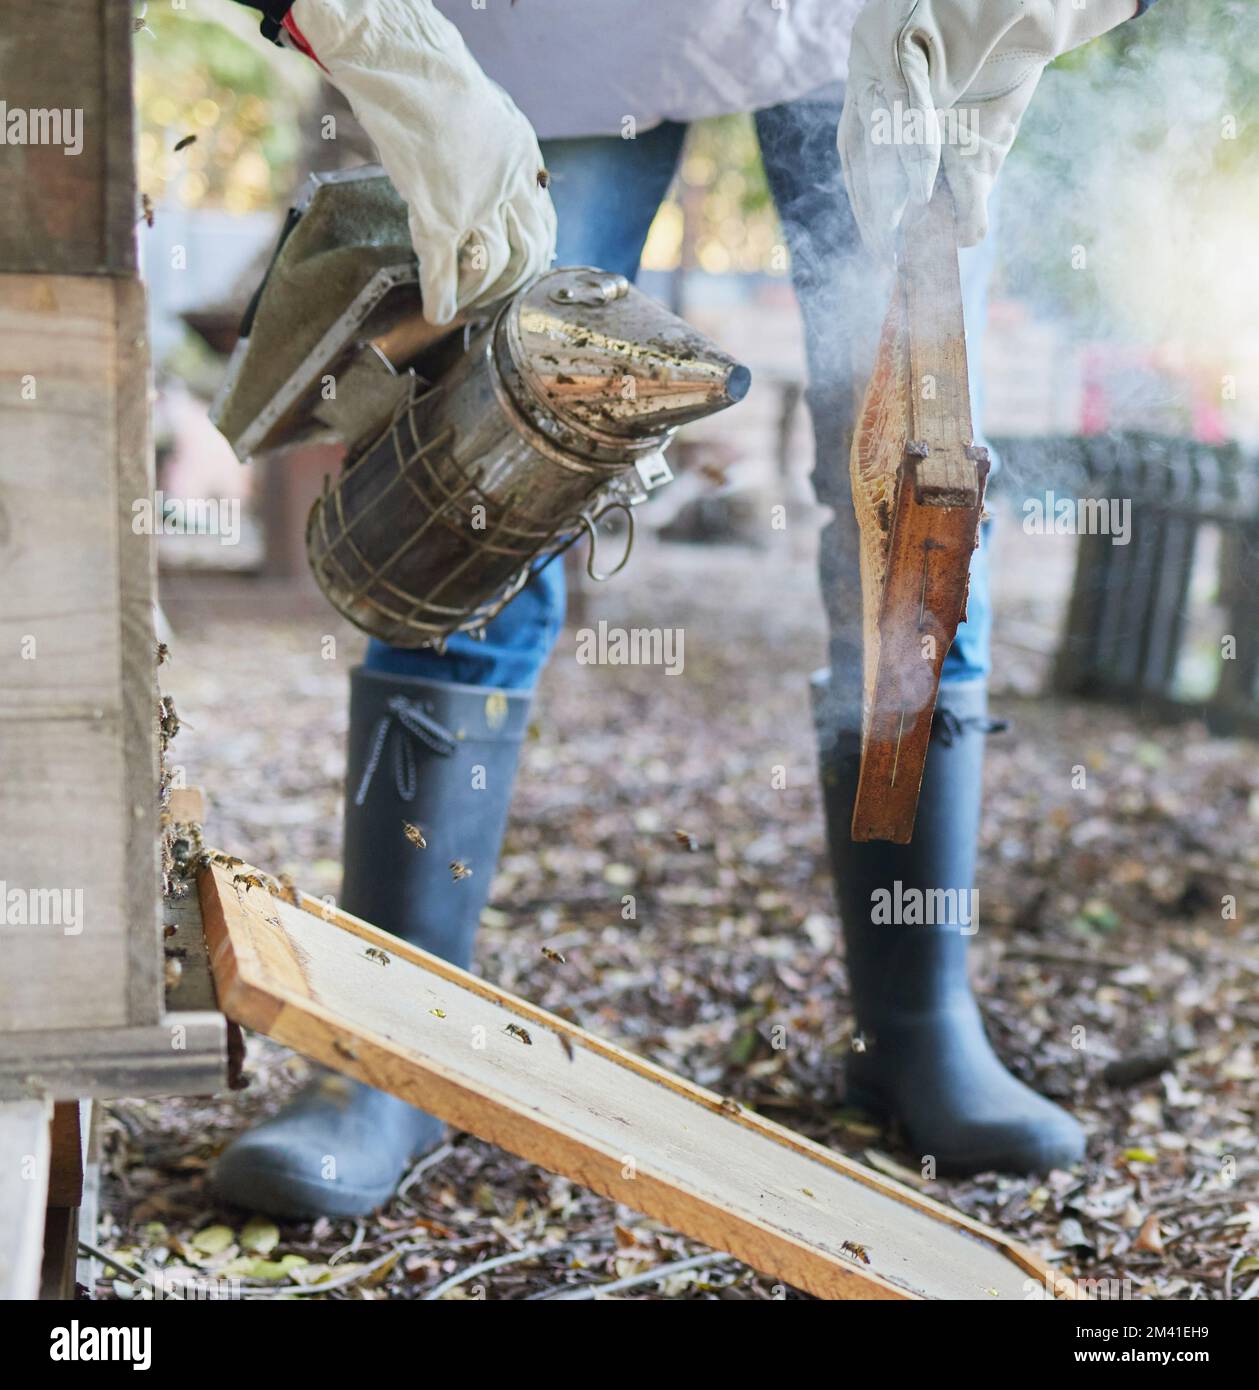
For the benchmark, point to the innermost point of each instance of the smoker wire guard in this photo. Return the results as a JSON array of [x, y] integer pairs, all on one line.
[[433, 622]]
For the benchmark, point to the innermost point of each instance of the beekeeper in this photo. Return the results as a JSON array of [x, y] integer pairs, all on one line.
[[467, 101]]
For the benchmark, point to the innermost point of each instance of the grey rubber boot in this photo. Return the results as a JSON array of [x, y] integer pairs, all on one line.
[[443, 758], [927, 1061]]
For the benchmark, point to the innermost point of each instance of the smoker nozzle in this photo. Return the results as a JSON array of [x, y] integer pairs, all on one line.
[[607, 360]]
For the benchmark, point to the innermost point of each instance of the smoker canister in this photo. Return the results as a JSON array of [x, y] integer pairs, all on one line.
[[519, 431]]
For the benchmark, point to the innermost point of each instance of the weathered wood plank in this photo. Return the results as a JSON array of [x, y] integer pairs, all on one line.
[[542, 1088], [185, 1054], [24, 1149], [65, 1172], [77, 685], [67, 212], [60, 1254]]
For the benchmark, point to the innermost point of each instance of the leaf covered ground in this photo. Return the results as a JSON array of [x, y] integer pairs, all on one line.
[[1116, 958]]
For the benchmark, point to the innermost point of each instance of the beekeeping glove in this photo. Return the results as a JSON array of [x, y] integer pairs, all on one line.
[[948, 81], [454, 144]]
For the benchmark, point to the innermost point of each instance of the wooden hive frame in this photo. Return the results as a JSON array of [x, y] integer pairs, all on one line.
[[918, 488], [375, 1008]]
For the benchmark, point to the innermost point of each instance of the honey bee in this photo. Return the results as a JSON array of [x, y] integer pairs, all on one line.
[[686, 840], [228, 861], [553, 955], [185, 843], [289, 890], [459, 870], [414, 834], [167, 720], [146, 210], [731, 1106], [567, 1044], [859, 1043], [518, 1032], [544, 177], [855, 1251], [438, 1013], [249, 881], [374, 953], [344, 1049], [162, 651]]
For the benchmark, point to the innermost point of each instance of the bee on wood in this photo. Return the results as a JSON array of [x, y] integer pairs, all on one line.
[[414, 834], [374, 953], [343, 1049], [553, 955], [518, 1032], [731, 1106], [459, 870], [686, 840], [855, 1251], [146, 210], [167, 719], [162, 651], [544, 177], [289, 890], [248, 881], [185, 142], [228, 861]]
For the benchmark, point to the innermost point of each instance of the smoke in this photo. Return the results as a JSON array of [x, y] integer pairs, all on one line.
[[1130, 204]]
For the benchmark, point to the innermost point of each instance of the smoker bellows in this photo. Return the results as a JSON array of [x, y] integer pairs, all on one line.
[[472, 451]]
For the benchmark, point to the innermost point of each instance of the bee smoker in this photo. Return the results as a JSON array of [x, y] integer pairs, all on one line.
[[473, 453]]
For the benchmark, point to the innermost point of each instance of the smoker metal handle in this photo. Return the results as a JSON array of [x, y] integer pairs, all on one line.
[[589, 522]]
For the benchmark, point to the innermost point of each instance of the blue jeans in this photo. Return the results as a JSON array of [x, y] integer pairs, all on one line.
[[607, 191]]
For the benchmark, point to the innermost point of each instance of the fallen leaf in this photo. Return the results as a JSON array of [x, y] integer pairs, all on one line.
[[259, 1235], [213, 1240], [1149, 1237]]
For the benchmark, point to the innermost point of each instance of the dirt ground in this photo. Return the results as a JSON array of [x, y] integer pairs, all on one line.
[[1115, 974]]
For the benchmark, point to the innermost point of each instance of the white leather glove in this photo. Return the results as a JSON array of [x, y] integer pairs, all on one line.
[[459, 152], [913, 60]]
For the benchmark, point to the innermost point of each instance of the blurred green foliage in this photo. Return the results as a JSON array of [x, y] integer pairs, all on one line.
[[197, 76], [719, 215]]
